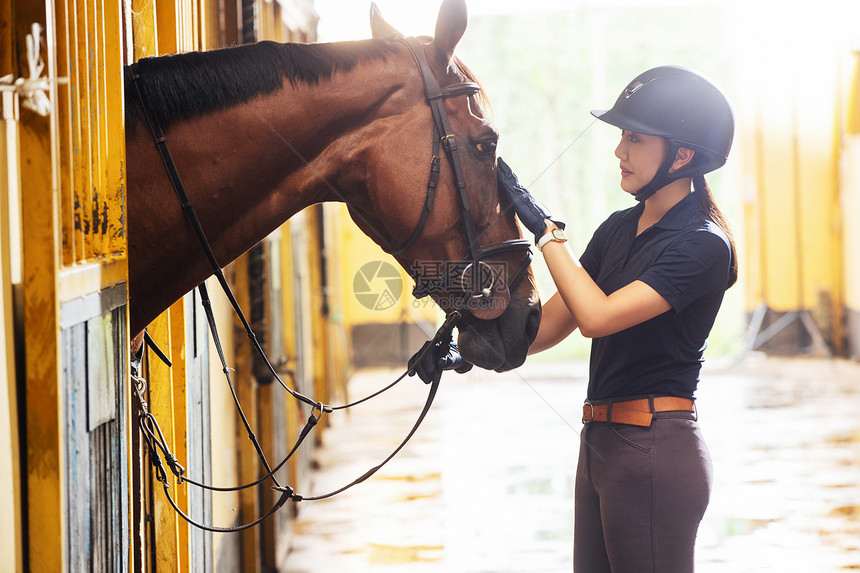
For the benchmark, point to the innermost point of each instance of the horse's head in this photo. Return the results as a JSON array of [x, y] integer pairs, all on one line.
[[433, 200]]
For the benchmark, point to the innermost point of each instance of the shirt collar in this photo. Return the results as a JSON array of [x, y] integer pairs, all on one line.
[[675, 218], [633, 213], [679, 215]]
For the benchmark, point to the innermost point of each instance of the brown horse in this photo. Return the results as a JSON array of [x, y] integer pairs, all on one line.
[[259, 132]]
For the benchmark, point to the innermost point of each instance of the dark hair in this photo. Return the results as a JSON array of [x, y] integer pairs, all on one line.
[[706, 201]]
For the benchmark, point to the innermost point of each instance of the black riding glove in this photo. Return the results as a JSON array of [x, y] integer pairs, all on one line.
[[443, 356], [531, 212]]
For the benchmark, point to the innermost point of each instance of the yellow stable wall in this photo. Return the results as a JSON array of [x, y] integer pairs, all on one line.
[[788, 133], [73, 249], [10, 468], [385, 321], [850, 185]]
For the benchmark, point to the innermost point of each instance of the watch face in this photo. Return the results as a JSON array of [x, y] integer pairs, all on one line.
[[558, 234]]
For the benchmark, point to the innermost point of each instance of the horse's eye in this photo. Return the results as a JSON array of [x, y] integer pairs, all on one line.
[[486, 147]]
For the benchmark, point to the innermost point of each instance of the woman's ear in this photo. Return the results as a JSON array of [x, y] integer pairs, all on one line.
[[683, 157]]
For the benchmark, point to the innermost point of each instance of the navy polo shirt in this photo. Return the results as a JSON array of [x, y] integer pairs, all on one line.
[[685, 257]]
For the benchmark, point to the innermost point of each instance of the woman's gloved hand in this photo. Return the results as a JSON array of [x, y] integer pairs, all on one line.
[[444, 355], [531, 212]]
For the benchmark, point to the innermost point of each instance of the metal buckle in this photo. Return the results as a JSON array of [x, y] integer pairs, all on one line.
[[476, 273], [587, 403]]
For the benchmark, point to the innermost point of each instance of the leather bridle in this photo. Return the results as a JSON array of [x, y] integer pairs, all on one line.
[[471, 274]]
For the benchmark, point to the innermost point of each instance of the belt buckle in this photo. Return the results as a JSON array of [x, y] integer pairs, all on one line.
[[589, 404]]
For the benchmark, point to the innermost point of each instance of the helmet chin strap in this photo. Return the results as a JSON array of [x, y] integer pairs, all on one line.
[[663, 177]]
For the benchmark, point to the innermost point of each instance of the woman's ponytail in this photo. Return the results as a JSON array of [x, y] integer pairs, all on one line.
[[706, 200]]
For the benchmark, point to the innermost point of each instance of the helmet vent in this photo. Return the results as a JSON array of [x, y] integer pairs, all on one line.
[[633, 88]]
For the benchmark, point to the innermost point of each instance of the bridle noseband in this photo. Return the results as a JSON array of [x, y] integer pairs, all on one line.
[[473, 275]]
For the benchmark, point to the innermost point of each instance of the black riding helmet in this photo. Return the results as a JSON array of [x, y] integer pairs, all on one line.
[[685, 108]]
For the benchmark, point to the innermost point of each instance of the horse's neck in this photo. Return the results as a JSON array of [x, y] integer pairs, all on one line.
[[246, 170], [276, 155]]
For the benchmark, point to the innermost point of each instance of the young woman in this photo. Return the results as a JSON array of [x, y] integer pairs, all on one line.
[[646, 290]]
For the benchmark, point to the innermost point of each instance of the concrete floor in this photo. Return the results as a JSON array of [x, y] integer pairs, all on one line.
[[486, 485]]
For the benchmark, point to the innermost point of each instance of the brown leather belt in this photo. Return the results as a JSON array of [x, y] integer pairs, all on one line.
[[637, 412]]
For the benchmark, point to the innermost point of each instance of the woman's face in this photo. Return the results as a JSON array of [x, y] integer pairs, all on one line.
[[641, 156]]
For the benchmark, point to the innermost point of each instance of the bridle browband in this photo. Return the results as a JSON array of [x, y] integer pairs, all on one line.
[[153, 437], [444, 136]]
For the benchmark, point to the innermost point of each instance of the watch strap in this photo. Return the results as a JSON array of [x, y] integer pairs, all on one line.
[[546, 238]]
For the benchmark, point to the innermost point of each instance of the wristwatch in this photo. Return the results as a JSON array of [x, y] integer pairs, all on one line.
[[555, 235]]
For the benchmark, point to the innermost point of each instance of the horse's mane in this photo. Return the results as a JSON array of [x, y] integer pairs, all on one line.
[[180, 86]]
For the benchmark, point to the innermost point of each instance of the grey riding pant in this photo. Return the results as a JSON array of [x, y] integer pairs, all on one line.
[[640, 495]]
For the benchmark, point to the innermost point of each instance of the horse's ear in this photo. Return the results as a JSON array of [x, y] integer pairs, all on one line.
[[450, 27], [381, 29]]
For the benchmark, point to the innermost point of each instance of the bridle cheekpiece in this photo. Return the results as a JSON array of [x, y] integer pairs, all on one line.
[[472, 275]]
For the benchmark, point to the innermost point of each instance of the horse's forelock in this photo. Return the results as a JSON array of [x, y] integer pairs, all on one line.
[[469, 76]]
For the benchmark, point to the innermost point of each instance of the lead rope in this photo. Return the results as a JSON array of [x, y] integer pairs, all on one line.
[[157, 447]]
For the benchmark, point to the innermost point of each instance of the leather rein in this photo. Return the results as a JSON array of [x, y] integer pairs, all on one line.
[[154, 439]]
